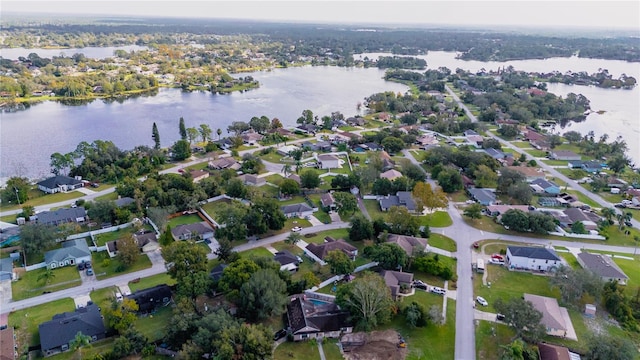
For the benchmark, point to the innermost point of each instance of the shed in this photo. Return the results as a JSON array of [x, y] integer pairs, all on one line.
[[590, 310]]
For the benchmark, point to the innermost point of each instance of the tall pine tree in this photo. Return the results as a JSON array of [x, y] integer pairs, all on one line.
[[156, 136], [183, 129]]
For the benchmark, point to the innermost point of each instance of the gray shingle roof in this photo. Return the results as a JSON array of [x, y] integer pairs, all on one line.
[[55, 181], [602, 265], [200, 228], [533, 252], [284, 257], [483, 195], [62, 215], [64, 327], [296, 208], [73, 248]]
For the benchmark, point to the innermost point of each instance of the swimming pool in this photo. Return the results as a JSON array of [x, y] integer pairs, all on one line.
[[10, 240], [318, 302]]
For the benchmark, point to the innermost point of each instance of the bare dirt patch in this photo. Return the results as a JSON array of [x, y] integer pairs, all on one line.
[[378, 345]]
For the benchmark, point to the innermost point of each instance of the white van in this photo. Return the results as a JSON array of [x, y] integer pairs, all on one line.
[[438, 290]]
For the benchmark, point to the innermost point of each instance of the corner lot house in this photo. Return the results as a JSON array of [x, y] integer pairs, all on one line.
[[396, 280], [59, 183], [409, 244], [401, 198], [62, 216], [308, 320], [532, 258], [72, 252], [199, 232], [602, 266], [552, 314], [57, 334], [483, 196], [301, 210]]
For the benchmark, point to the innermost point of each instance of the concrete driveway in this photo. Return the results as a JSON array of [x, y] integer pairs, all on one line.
[[5, 291]]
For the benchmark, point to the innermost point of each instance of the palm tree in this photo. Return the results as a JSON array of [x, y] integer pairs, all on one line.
[[286, 170], [219, 132], [81, 340], [47, 275], [620, 218], [608, 213]]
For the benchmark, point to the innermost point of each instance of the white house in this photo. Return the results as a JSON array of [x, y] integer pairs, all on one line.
[[300, 210], [59, 183], [328, 161], [532, 258]]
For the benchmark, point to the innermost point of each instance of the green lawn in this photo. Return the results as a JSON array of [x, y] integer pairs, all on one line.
[[105, 267], [29, 319], [109, 196], [442, 242], [257, 252], [103, 297], [9, 218], [489, 337], [507, 284], [267, 190], [104, 238], [294, 200], [184, 219], [274, 179], [322, 216], [373, 208], [29, 285], [152, 281], [537, 153], [522, 144], [458, 196], [632, 269], [437, 219], [318, 238], [38, 198], [331, 349], [583, 198], [302, 350], [153, 326], [273, 157], [555, 162], [570, 259], [99, 347]]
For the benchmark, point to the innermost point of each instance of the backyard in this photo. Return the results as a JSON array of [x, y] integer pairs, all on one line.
[[152, 281], [105, 267], [489, 337], [184, 220], [32, 283]]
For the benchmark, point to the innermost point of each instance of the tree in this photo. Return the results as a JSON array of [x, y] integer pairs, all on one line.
[[270, 211], [473, 211], [251, 164], [573, 136], [132, 342], [608, 214], [507, 178], [263, 296], [293, 238], [238, 127], [192, 134], [236, 274], [236, 188], [205, 132], [361, 228], [508, 131], [47, 276], [128, 251], [225, 250], [289, 187], [155, 135], [554, 141], [516, 220], [79, 341], [183, 129], [181, 150], [159, 216], [35, 239], [275, 123], [16, 190], [617, 163], [309, 179], [346, 203], [368, 299], [608, 347], [577, 286], [401, 222], [339, 262], [219, 132], [415, 315], [450, 180], [121, 314], [184, 258], [306, 118], [389, 256], [485, 177], [520, 192], [259, 124], [578, 228], [194, 284], [522, 317], [429, 198], [245, 341], [60, 163], [392, 144]]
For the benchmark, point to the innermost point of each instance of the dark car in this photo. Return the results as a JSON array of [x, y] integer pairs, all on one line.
[[87, 265], [81, 266], [500, 317], [628, 223], [279, 334]]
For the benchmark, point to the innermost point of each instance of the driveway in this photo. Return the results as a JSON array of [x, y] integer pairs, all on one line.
[[5, 291]]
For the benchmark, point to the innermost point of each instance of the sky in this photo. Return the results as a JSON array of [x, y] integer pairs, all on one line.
[[541, 13]]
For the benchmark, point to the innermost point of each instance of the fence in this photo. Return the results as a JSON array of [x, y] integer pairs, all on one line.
[[35, 266]]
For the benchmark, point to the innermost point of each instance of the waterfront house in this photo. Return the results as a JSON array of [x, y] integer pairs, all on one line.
[[564, 155], [59, 183]]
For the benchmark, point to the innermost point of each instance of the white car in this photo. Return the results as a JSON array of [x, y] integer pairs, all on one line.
[[438, 290], [296, 229], [482, 301]]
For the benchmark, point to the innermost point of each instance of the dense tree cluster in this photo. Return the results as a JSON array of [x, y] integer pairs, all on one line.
[[536, 222], [401, 62]]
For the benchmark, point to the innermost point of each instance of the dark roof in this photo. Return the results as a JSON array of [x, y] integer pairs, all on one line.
[[533, 252], [321, 250], [284, 257], [296, 208], [401, 198], [64, 327], [61, 215], [216, 272], [54, 182], [543, 183], [306, 317], [553, 352], [602, 265], [190, 229], [149, 299], [483, 195], [124, 201], [592, 164]]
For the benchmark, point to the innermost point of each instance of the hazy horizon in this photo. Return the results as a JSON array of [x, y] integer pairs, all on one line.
[[571, 15]]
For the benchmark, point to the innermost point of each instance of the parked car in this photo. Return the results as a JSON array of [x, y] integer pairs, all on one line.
[[438, 290], [296, 229], [476, 245], [418, 284], [81, 266], [482, 301], [87, 265], [119, 296], [89, 272], [500, 317], [279, 334]]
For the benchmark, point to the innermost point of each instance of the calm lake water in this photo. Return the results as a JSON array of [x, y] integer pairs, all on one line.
[[28, 138]]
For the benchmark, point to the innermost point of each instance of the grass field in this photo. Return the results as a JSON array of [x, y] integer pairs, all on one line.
[[437, 219], [442, 242], [104, 238], [489, 337], [29, 319], [29, 285], [373, 208], [522, 144], [318, 238], [105, 267], [38, 198], [302, 350], [570, 259], [331, 349], [257, 252], [153, 326], [183, 220], [152, 281]]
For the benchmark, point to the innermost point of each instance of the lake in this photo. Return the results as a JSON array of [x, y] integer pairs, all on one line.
[[29, 137]]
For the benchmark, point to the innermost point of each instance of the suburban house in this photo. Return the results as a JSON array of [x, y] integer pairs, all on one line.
[[72, 252], [8, 347], [483, 196], [287, 149], [391, 174], [614, 182], [498, 210], [281, 131], [307, 128], [287, 261], [330, 244], [198, 175], [410, 244], [318, 146], [150, 299], [59, 183], [328, 161], [224, 143], [473, 138], [530, 173], [251, 138], [56, 335], [401, 198], [504, 158], [602, 266], [540, 186], [387, 162], [147, 241], [300, 210], [371, 146], [426, 140], [308, 320], [555, 352], [62, 216], [397, 281], [6, 269], [327, 201], [532, 258], [552, 314], [572, 215], [574, 164], [252, 180], [536, 139], [592, 166], [197, 231], [224, 163], [356, 121], [564, 155]]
